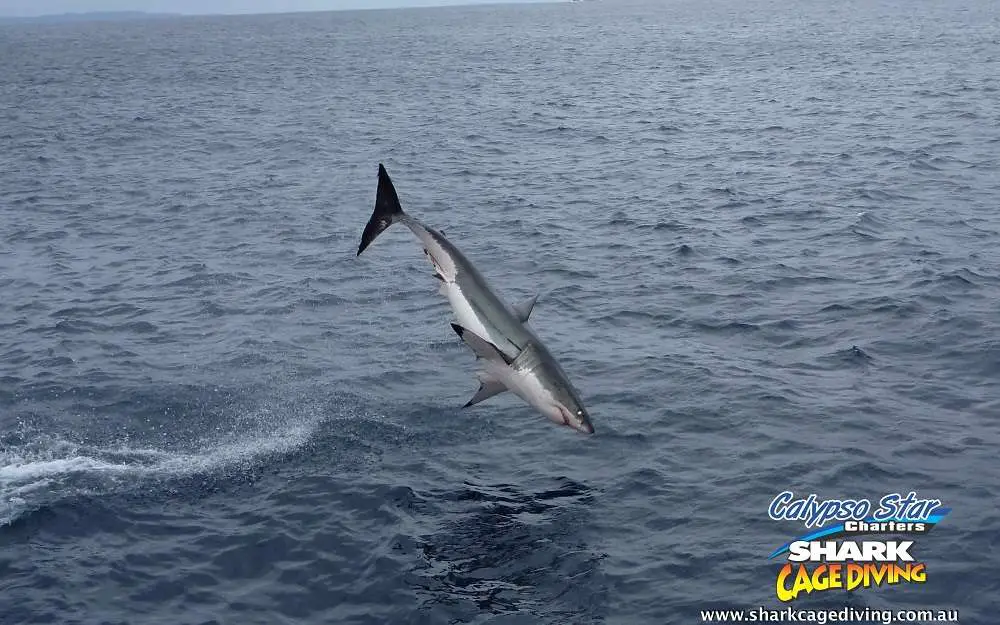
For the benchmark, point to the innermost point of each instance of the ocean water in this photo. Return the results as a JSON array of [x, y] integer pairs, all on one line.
[[765, 235]]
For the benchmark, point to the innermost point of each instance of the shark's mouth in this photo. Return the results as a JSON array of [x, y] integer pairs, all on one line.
[[573, 421], [555, 414]]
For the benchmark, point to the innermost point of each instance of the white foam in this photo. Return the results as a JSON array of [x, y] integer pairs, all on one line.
[[38, 472], [21, 472]]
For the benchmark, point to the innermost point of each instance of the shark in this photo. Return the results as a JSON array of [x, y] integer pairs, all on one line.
[[509, 354]]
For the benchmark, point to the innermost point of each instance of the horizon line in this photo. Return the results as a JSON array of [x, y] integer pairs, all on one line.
[[138, 13]]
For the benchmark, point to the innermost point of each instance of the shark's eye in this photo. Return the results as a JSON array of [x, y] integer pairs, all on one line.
[[579, 413]]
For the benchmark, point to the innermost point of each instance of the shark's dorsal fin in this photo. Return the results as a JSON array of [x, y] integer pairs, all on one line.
[[523, 310], [487, 388], [483, 348]]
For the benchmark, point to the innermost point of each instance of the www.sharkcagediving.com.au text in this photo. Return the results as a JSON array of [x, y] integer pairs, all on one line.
[[824, 616]]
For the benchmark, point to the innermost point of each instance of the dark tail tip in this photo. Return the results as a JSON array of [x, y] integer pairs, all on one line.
[[387, 209]]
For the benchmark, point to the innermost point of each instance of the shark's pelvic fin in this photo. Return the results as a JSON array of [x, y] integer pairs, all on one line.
[[483, 348], [487, 388], [523, 310]]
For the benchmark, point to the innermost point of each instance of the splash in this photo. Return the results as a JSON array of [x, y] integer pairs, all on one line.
[[47, 468]]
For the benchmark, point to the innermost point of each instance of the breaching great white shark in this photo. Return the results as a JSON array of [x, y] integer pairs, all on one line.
[[510, 355]]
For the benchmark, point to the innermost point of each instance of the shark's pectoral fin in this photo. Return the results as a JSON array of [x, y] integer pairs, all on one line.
[[523, 310], [483, 348], [487, 388]]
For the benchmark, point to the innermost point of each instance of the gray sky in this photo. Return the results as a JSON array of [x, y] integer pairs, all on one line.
[[25, 8]]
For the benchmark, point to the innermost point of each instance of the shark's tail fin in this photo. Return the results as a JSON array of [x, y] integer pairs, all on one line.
[[387, 210]]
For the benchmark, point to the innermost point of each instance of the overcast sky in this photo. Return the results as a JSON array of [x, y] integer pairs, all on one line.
[[25, 8]]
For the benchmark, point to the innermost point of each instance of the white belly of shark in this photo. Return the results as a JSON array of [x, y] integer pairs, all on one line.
[[511, 357], [467, 318]]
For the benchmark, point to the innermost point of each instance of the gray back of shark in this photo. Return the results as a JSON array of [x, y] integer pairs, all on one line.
[[484, 317]]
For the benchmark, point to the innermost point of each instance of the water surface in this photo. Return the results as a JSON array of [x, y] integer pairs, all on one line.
[[765, 238]]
